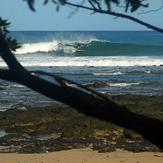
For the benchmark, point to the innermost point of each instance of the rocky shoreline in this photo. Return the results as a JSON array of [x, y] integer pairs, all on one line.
[[28, 129]]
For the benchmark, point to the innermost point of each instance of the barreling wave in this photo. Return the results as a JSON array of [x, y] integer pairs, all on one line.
[[89, 52], [90, 47], [56, 46]]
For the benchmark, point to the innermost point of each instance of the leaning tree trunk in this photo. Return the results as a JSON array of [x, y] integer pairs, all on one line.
[[82, 100]]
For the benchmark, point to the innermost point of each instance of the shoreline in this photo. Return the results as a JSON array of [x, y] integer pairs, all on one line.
[[84, 156]]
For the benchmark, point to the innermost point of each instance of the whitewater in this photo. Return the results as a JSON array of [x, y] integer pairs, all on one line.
[[88, 52], [116, 63]]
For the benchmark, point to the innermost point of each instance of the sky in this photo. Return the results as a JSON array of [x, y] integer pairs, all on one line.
[[46, 18]]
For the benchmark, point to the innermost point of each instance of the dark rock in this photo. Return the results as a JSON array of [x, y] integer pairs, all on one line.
[[74, 130]]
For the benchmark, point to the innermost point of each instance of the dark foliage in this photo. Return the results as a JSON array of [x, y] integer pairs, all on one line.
[[132, 4], [99, 6], [12, 43]]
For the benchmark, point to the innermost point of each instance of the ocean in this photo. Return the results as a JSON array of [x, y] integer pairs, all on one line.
[[112, 62]]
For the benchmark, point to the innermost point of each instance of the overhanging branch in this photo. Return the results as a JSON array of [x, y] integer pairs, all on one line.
[[90, 104], [7, 75], [121, 15]]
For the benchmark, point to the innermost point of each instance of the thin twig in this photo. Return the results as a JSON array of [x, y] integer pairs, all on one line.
[[154, 10], [117, 15]]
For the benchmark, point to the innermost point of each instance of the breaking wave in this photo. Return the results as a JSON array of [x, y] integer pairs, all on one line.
[[65, 46], [90, 47], [90, 52]]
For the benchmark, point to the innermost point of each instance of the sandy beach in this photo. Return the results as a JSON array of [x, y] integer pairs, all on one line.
[[83, 156]]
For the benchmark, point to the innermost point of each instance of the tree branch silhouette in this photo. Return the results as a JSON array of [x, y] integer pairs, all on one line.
[[96, 7], [86, 102], [121, 15]]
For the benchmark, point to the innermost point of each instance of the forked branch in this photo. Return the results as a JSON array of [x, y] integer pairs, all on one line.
[[121, 15], [83, 100]]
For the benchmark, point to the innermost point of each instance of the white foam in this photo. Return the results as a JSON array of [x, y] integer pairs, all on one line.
[[107, 73], [116, 61], [67, 46], [122, 84], [37, 47], [92, 61], [147, 71]]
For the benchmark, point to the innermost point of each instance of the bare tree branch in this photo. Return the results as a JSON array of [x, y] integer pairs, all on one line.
[[121, 15], [85, 102], [154, 10], [75, 10], [96, 7], [66, 81]]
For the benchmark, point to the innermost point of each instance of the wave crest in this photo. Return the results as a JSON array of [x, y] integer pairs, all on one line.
[[64, 46], [90, 47], [37, 47]]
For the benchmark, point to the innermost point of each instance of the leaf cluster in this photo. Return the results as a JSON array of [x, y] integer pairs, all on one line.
[[12, 43], [133, 5]]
